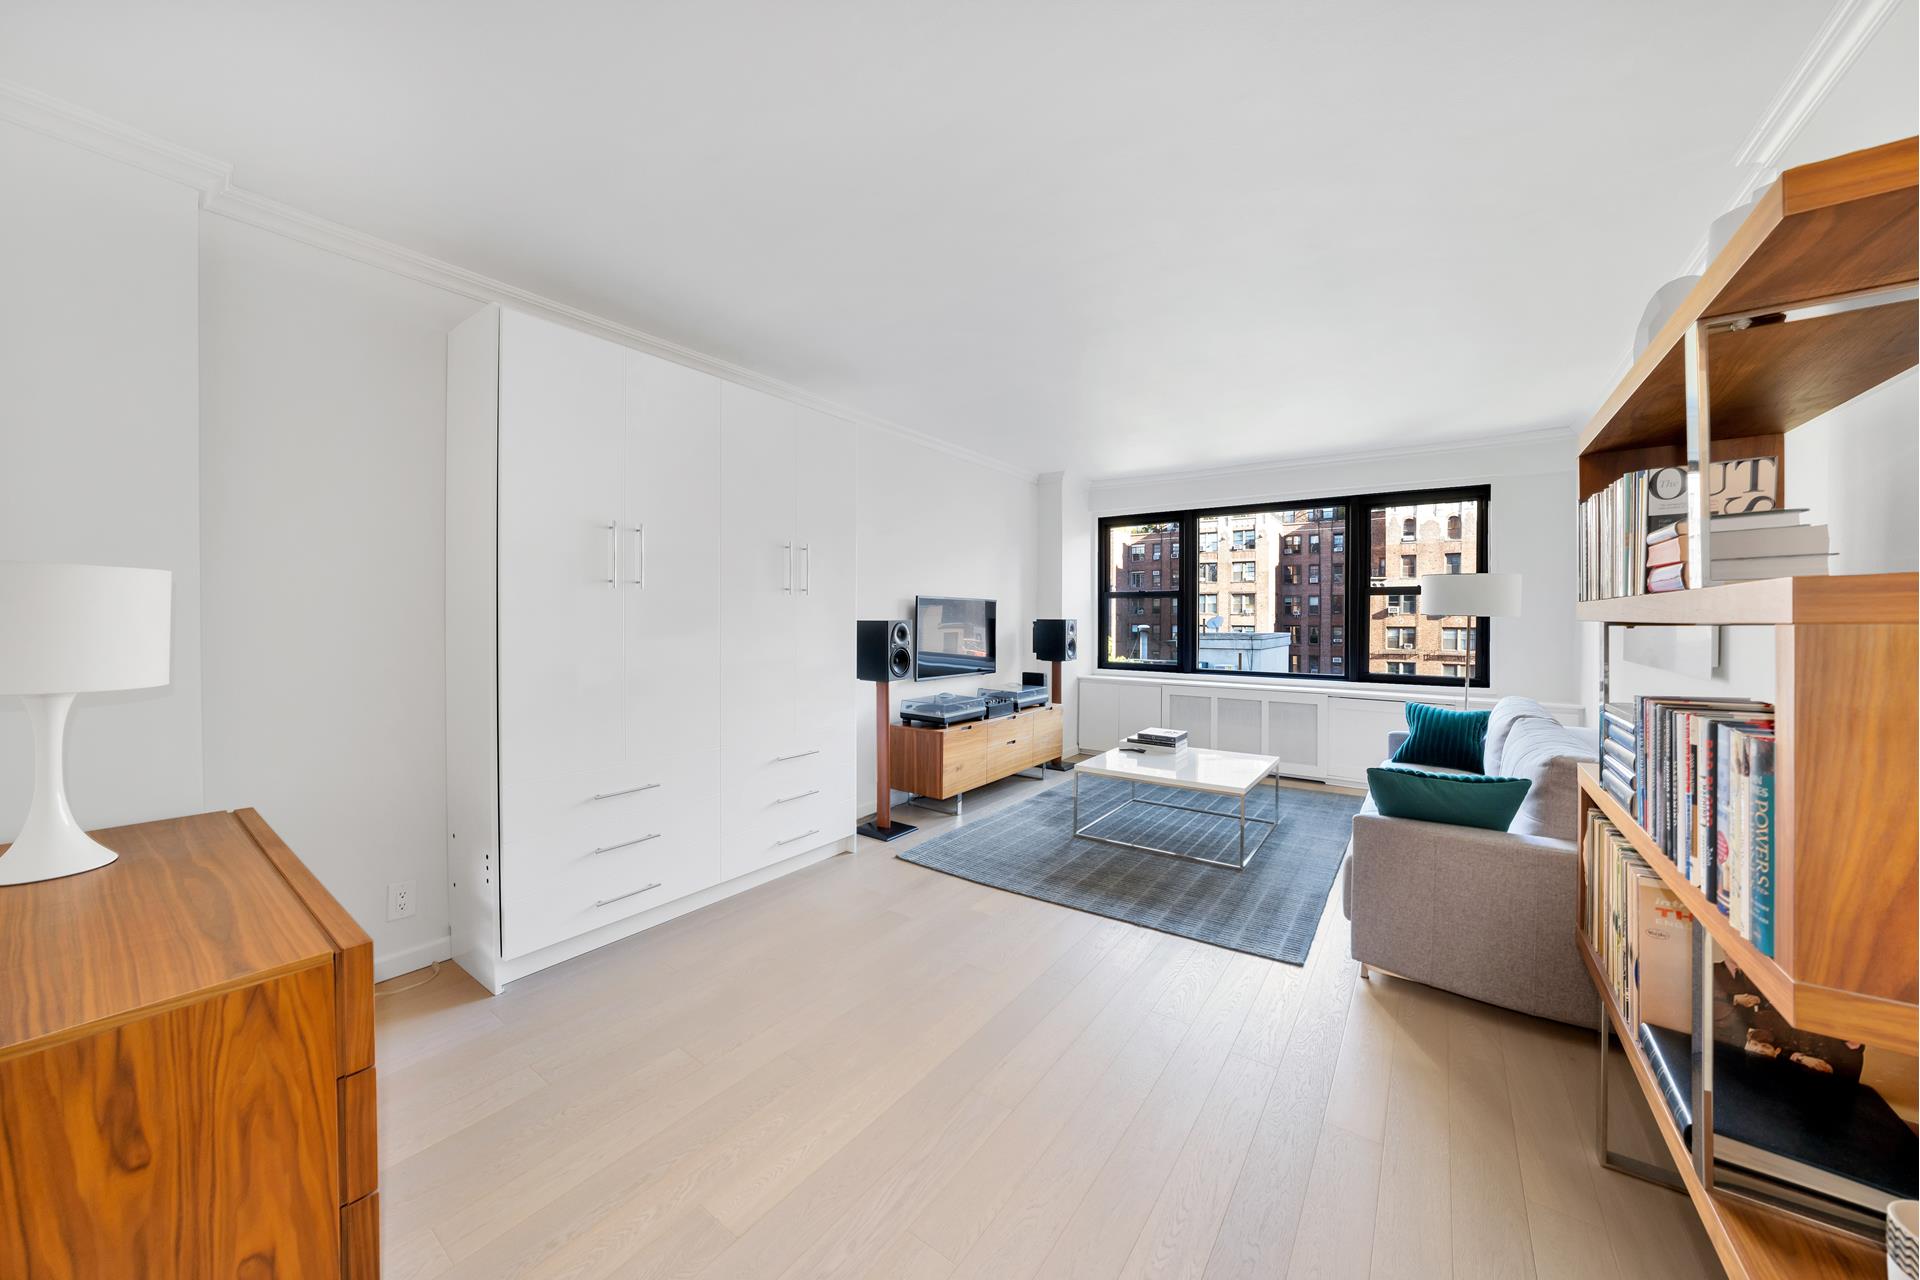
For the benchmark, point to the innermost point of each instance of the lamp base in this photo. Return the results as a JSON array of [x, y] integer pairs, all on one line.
[[51, 844]]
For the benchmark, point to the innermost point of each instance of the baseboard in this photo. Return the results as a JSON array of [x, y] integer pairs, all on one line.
[[391, 964]]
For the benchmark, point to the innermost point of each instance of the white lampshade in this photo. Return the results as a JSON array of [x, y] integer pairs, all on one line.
[[83, 628], [67, 629], [1472, 595]]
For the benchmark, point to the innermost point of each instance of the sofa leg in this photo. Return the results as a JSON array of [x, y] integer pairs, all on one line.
[[1365, 973]]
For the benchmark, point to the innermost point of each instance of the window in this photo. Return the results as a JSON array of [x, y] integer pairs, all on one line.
[[1288, 611], [1447, 530], [1140, 625]]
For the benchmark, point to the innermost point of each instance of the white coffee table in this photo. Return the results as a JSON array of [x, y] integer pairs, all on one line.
[[1215, 773]]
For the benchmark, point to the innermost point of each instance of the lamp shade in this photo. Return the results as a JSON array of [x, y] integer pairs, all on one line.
[[1472, 595], [83, 628]]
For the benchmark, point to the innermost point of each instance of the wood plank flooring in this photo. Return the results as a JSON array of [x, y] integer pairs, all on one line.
[[874, 1071]]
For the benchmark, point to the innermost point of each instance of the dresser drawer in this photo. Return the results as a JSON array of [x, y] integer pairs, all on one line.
[[777, 809], [1011, 746], [1046, 728], [585, 850], [965, 752]]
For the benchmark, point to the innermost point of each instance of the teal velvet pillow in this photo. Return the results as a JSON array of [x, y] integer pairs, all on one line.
[[1444, 738], [1461, 800]]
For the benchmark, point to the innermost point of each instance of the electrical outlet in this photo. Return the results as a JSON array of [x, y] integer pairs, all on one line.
[[400, 900]]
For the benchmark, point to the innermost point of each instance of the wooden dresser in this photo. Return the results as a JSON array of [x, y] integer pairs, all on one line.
[[186, 1066], [941, 763]]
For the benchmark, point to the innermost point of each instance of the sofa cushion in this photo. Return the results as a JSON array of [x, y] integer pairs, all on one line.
[[1445, 736], [1547, 754], [1460, 800], [1506, 713]]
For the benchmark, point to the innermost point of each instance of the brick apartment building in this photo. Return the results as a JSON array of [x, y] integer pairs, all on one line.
[[1409, 541]]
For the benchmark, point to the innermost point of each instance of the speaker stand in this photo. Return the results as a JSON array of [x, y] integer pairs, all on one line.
[[883, 827], [1061, 765]]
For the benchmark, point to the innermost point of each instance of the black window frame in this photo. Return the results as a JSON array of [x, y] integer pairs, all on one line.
[[1354, 543]]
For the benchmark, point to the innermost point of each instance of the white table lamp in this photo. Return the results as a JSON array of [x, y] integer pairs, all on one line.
[[1473, 596], [67, 629]]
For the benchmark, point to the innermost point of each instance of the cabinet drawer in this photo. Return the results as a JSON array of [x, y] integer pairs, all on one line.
[[775, 810], [586, 850], [1011, 745], [964, 753], [1047, 739]]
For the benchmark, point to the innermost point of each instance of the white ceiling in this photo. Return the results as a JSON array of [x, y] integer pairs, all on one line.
[[1103, 237]]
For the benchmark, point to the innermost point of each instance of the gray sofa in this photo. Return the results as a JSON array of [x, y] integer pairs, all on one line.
[[1487, 914]]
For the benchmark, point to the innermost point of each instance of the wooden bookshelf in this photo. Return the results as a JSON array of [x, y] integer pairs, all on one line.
[[1836, 236], [1822, 230], [1851, 598], [1753, 1243], [1850, 1015]]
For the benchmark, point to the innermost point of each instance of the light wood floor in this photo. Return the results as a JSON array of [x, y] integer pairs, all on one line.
[[879, 1072]]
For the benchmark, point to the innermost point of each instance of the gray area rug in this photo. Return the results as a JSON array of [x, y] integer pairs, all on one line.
[[1271, 909]]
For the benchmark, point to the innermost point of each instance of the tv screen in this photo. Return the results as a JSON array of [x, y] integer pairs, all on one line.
[[953, 637]]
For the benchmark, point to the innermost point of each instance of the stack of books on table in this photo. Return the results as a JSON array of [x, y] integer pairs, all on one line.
[[1749, 545], [1160, 742], [1704, 790]]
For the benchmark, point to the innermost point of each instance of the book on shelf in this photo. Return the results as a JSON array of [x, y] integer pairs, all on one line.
[[1633, 534], [1789, 1106]]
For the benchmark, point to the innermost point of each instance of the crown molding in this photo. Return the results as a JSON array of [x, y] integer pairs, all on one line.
[[1847, 30], [219, 195], [1564, 434]]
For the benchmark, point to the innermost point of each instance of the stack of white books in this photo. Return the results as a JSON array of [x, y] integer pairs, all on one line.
[[1747, 545], [1160, 742]]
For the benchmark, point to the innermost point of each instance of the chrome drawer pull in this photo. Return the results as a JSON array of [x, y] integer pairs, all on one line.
[[801, 796], [798, 755], [624, 791], [609, 848], [802, 836], [622, 897]]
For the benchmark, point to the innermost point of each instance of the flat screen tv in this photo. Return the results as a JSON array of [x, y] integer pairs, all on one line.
[[953, 636]]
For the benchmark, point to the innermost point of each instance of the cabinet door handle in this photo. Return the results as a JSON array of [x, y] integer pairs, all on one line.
[[802, 836], [798, 755], [806, 569], [624, 791], [622, 897], [788, 547], [640, 556], [613, 553], [609, 848], [802, 795]]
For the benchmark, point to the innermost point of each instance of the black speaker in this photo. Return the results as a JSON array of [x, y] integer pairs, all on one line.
[[1056, 639], [884, 651]]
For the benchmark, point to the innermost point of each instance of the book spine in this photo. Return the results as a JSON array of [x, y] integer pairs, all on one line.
[[1760, 857]]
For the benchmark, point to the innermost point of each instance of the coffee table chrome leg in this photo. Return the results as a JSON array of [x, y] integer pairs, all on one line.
[[1243, 831], [1076, 804]]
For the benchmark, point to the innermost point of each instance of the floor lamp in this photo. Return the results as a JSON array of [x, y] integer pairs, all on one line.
[[1474, 596]]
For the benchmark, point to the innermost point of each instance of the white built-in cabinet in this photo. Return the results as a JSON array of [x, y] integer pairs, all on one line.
[[649, 618]]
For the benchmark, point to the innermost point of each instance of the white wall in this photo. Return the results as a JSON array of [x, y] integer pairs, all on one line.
[[98, 452], [929, 524], [1530, 532], [323, 454]]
